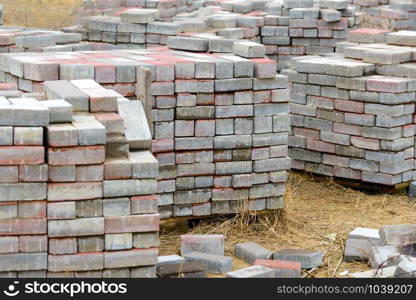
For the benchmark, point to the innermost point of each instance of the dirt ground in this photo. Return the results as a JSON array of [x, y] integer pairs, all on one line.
[[53, 14], [318, 215]]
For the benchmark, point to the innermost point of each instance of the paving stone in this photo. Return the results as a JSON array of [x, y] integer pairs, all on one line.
[[308, 259], [397, 234], [249, 252]]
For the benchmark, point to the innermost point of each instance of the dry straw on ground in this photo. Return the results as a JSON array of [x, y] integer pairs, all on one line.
[[319, 213], [53, 14]]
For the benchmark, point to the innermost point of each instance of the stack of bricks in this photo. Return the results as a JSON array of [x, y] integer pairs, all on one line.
[[167, 8], [214, 116], [287, 29], [83, 211], [19, 39], [352, 115], [220, 132]]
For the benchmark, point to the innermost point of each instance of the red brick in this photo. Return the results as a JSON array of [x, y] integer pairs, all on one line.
[[349, 106], [136, 223], [87, 155], [102, 100], [22, 155]]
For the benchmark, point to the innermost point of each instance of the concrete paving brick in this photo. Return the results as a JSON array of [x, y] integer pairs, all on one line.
[[397, 234], [282, 269], [213, 263], [252, 272], [24, 261], [308, 259], [130, 258]]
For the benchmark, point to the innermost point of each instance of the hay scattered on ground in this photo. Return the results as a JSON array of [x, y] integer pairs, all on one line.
[[319, 213], [53, 14]]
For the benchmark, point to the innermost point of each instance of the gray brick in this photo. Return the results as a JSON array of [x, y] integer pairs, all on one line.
[[252, 272]]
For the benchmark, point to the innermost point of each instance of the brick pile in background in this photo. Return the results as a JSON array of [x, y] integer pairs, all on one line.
[[79, 212], [353, 115], [167, 8], [23, 190]]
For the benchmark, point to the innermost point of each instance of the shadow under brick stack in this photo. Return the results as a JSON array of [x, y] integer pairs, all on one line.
[[91, 210]]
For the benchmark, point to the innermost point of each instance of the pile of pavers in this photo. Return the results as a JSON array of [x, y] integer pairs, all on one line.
[[74, 202], [397, 15], [352, 115], [204, 253], [220, 122], [21, 39], [390, 250]]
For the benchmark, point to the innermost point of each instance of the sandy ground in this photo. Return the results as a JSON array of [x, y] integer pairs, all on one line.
[[318, 215]]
